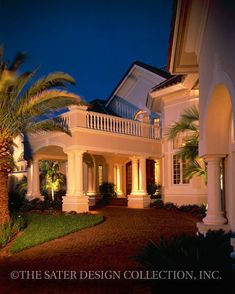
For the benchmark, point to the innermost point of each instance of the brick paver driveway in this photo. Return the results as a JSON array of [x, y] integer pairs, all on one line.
[[108, 246]]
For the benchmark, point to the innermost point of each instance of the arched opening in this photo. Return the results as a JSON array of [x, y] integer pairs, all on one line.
[[49, 164], [218, 135], [218, 122]]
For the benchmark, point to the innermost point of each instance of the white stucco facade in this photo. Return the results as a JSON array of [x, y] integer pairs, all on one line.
[[130, 151], [211, 54]]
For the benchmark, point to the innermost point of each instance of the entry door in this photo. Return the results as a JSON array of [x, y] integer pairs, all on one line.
[[128, 177]]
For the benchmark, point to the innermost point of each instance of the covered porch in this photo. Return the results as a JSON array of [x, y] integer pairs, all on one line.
[[101, 148], [86, 170]]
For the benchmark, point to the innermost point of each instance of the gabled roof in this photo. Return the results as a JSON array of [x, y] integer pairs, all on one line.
[[150, 68], [153, 69], [169, 82], [98, 105]]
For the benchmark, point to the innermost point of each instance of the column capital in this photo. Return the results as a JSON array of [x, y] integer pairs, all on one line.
[[35, 158], [213, 157], [73, 149], [134, 158]]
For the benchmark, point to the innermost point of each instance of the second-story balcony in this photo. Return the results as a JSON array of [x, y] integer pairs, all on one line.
[[80, 117], [101, 133]]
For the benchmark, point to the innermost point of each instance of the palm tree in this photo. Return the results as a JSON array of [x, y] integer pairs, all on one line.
[[22, 105], [188, 124], [51, 175]]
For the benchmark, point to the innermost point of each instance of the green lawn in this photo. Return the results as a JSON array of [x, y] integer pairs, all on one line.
[[44, 227]]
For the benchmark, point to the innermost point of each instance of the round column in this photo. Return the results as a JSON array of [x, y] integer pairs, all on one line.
[[142, 176], [214, 214], [135, 176]]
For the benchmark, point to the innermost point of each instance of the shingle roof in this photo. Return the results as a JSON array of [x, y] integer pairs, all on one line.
[[169, 82]]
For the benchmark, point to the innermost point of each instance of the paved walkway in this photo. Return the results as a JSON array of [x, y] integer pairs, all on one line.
[[108, 246]]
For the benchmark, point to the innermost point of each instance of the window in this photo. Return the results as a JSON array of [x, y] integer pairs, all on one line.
[[100, 174], [179, 167]]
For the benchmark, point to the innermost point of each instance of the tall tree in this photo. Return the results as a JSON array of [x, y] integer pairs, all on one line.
[[188, 125], [22, 105], [52, 176]]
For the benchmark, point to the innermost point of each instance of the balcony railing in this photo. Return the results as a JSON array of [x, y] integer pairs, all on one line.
[[112, 124], [118, 125]]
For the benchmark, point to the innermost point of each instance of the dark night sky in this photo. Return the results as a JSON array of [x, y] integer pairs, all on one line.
[[93, 40]]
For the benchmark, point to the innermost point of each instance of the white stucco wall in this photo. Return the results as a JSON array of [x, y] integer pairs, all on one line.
[[217, 92]]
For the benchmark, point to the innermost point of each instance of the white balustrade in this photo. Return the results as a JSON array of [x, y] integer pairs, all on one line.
[[109, 123], [113, 124]]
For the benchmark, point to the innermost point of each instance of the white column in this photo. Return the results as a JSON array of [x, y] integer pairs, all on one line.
[[90, 177], [70, 173], [78, 173], [142, 175], [35, 179], [95, 179], [75, 200], [158, 175], [119, 179], [29, 182], [214, 214], [138, 197], [135, 178]]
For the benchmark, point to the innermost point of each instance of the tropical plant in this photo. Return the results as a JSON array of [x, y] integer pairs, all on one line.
[[23, 102], [107, 189], [188, 126], [51, 176], [21, 187], [185, 252]]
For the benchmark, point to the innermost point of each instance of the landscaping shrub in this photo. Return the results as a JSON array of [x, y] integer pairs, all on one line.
[[158, 203], [154, 191], [170, 206], [107, 189], [198, 211], [11, 228], [16, 201], [189, 253], [194, 209]]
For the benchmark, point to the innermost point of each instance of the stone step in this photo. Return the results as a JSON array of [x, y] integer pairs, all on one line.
[[117, 201]]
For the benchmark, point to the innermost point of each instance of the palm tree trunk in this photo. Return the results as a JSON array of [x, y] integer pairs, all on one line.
[[4, 210]]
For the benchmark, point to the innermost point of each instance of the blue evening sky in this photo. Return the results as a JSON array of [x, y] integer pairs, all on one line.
[[93, 40]]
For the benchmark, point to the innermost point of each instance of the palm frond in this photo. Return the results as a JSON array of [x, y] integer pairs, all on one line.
[[56, 79], [35, 102], [191, 114], [57, 124], [180, 127], [18, 60], [188, 121], [194, 168], [1, 55], [189, 150]]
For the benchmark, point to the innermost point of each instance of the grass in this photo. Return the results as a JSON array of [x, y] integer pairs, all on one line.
[[42, 228]]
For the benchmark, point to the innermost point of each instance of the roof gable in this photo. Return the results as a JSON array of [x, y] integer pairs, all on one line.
[[140, 76]]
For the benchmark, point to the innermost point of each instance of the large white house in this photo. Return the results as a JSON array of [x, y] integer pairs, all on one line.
[[203, 44], [121, 141]]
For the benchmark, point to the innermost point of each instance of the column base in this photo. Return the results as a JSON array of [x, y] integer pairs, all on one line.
[[75, 203], [92, 201], [214, 218], [204, 228], [139, 201], [31, 197], [120, 195]]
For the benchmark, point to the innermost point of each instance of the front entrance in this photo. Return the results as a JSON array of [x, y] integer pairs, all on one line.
[[150, 174]]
